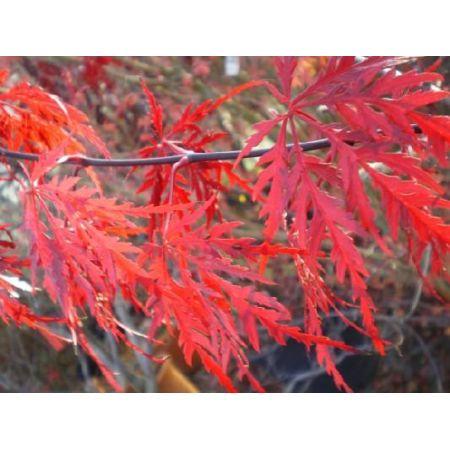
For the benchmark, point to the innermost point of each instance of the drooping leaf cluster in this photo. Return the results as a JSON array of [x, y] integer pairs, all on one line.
[[177, 262]]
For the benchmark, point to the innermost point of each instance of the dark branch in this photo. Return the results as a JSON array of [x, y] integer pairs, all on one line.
[[82, 160], [128, 162]]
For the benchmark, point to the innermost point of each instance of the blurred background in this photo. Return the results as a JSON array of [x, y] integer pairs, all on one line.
[[108, 90]]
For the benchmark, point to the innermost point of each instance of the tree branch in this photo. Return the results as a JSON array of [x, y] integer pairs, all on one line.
[[82, 160]]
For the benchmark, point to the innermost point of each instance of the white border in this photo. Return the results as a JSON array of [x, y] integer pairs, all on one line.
[[224, 421], [224, 27]]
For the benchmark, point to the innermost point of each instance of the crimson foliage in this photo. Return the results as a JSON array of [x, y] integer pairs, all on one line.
[[178, 262]]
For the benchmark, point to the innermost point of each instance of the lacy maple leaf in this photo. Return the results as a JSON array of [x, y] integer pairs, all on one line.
[[318, 199], [177, 263]]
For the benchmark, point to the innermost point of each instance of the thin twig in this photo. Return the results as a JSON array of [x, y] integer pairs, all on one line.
[[145, 365], [433, 365], [419, 288]]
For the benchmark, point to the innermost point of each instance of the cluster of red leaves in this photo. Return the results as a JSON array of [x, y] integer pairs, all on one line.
[[11, 308], [34, 121], [94, 73], [77, 249], [183, 136], [191, 287], [199, 281], [316, 199]]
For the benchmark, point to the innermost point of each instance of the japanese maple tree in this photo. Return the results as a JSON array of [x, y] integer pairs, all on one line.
[[177, 261]]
